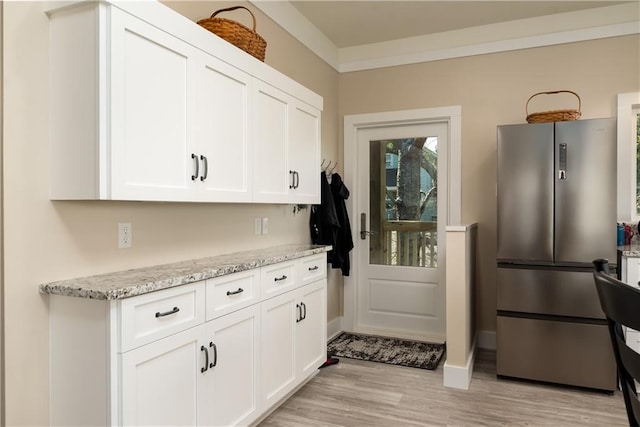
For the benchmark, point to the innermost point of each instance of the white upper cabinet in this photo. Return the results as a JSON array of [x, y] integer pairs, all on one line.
[[147, 105], [287, 148], [152, 112], [223, 132], [271, 136], [304, 153]]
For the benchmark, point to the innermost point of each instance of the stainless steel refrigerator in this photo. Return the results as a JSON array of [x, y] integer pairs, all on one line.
[[556, 194]]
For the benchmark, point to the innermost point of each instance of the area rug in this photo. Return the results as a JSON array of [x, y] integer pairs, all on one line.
[[414, 354]]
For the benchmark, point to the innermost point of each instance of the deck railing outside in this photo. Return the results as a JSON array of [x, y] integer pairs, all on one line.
[[410, 243]]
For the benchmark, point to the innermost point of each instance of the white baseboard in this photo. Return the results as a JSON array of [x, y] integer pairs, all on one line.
[[459, 376], [334, 327], [487, 340]]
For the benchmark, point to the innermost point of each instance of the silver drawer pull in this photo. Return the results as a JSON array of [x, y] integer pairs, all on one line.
[[168, 313], [314, 268], [239, 291], [278, 279]]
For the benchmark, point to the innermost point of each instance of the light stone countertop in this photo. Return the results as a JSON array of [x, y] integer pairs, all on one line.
[[138, 281], [630, 251]]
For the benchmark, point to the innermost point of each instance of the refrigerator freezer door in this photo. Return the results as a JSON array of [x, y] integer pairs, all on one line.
[[551, 292], [525, 193], [585, 177], [578, 354]]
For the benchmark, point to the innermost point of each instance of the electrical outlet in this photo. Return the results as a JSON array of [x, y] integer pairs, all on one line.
[[125, 236], [257, 226], [265, 225]]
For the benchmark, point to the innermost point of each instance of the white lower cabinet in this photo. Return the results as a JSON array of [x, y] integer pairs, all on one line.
[[218, 352], [160, 381], [207, 375], [293, 339], [229, 387], [311, 330]]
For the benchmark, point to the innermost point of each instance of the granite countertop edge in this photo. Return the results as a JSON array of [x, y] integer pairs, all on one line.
[[140, 281], [630, 251]]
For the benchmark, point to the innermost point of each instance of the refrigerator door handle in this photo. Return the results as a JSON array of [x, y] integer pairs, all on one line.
[[562, 169]]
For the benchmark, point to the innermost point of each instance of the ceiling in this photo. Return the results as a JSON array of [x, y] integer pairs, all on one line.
[[355, 23]]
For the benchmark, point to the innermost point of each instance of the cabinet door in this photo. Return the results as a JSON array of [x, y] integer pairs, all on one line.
[[151, 112], [304, 152], [160, 380], [230, 386], [223, 132], [311, 333], [270, 145], [632, 271], [278, 371]]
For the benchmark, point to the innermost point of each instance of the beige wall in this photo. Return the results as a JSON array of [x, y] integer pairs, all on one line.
[[492, 90], [47, 240]]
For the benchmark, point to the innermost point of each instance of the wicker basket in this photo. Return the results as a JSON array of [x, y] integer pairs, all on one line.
[[236, 33], [553, 115]]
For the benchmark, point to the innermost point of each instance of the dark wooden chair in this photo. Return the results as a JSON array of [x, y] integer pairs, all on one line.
[[621, 305]]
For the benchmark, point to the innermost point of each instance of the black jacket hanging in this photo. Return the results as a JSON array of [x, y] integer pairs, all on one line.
[[344, 241], [323, 222]]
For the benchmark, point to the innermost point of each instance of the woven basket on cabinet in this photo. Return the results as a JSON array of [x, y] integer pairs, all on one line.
[[553, 115], [236, 33]]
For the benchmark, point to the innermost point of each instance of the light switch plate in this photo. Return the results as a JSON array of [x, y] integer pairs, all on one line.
[[265, 225]]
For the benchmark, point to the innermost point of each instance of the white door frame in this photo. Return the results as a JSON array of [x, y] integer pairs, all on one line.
[[352, 124]]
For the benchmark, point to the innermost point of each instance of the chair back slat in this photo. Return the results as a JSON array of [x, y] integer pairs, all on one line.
[[621, 306], [619, 301]]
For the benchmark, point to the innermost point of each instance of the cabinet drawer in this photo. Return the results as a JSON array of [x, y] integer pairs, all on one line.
[[156, 315], [312, 268], [278, 278], [232, 292]]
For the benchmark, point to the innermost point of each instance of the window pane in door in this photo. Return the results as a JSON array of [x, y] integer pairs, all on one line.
[[638, 164], [403, 202]]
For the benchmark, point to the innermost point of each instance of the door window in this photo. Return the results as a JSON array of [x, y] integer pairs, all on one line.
[[403, 202]]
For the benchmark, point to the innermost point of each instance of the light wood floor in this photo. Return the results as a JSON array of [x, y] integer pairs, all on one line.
[[356, 393]]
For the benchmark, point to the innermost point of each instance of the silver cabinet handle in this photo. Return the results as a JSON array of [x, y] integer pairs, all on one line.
[[206, 167], [194, 177], [296, 179]]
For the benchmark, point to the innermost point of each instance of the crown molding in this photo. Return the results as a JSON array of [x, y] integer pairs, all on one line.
[[296, 24], [589, 24]]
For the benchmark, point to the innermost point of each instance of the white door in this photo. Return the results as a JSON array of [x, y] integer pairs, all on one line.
[[271, 177], [311, 338], [223, 132], [278, 370], [152, 108], [230, 386], [304, 153], [400, 229], [160, 381]]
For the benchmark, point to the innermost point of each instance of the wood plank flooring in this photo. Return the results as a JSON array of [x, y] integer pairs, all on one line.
[[356, 393]]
